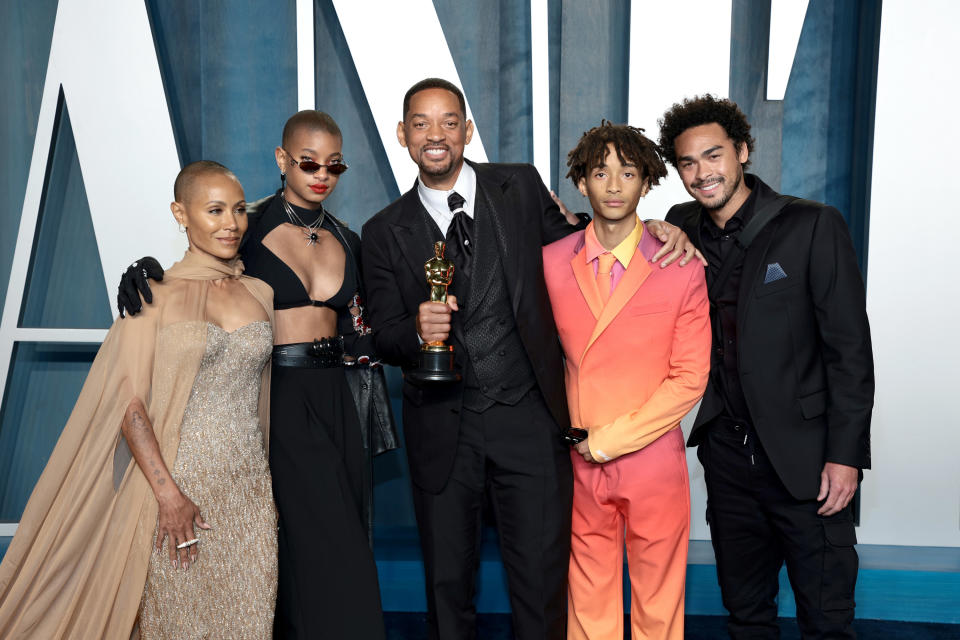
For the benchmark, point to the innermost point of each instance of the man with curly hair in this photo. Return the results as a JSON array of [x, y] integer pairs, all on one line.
[[783, 431], [636, 341]]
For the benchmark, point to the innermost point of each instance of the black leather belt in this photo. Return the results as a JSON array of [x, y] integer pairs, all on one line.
[[319, 354]]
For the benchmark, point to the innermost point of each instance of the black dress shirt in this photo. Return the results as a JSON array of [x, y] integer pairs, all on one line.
[[717, 245]]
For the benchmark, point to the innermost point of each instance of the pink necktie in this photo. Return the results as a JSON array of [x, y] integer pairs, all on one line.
[[604, 276]]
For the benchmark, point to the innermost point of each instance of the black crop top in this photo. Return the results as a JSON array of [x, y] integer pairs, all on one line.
[[288, 290]]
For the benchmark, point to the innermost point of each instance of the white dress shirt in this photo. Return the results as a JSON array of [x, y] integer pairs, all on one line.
[[435, 200]]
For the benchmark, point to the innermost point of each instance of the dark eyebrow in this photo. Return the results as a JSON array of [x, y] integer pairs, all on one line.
[[455, 114], [705, 153], [604, 165]]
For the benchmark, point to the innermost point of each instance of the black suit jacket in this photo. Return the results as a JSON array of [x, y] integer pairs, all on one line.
[[396, 244], [804, 355]]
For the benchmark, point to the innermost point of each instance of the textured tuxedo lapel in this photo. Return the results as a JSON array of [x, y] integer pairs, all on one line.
[[506, 227], [413, 232]]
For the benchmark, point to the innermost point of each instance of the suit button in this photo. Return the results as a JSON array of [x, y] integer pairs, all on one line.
[[503, 352], [503, 322], [737, 427], [484, 388]]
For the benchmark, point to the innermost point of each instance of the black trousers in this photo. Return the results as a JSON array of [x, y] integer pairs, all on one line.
[[513, 454], [756, 526], [327, 575]]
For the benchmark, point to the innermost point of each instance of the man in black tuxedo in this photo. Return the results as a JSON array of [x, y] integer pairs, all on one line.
[[499, 430], [784, 426]]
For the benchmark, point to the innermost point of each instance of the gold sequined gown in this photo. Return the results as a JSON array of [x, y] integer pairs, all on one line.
[[231, 590]]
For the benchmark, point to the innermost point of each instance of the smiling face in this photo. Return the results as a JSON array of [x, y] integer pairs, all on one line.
[[614, 187], [215, 214], [435, 132], [309, 190], [711, 168]]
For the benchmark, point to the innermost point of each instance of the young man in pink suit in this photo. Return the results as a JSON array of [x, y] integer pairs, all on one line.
[[636, 340]]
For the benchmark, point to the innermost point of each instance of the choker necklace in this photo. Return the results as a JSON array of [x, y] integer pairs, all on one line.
[[309, 230]]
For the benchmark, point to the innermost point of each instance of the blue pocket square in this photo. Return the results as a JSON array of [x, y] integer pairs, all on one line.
[[774, 272]]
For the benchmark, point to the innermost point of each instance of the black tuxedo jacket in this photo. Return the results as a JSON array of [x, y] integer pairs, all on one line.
[[804, 354], [396, 244]]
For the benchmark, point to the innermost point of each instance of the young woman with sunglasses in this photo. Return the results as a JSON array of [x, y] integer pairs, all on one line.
[[328, 580], [320, 466]]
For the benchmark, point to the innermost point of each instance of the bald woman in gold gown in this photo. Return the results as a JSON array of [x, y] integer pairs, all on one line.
[[164, 452]]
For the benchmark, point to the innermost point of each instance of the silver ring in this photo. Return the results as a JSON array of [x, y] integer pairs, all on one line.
[[184, 545]]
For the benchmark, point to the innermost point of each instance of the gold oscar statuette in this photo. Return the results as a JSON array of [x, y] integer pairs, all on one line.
[[436, 358]]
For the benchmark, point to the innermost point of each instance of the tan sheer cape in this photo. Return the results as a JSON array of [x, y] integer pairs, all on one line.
[[78, 563]]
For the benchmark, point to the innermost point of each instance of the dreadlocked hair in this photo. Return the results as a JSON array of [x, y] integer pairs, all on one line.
[[630, 144]]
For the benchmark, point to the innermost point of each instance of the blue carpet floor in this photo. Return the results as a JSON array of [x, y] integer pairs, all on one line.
[[496, 626]]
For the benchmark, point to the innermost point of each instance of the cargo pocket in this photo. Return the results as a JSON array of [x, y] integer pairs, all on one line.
[[840, 563]]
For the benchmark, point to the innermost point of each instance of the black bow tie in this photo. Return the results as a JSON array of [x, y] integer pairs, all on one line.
[[459, 235]]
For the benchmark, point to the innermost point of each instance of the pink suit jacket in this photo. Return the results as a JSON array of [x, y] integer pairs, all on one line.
[[637, 365]]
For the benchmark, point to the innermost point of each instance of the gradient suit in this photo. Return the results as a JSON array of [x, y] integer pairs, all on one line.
[[634, 367]]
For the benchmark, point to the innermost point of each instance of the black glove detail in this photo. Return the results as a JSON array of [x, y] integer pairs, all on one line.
[[135, 282]]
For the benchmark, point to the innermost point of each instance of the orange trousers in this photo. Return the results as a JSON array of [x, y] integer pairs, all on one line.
[[642, 500]]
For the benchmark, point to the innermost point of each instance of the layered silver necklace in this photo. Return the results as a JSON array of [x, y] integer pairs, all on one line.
[[309, 230]]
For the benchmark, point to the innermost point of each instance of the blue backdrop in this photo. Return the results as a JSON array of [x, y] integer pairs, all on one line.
[[229, 72]]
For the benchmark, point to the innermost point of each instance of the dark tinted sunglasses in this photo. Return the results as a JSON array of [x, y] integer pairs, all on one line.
[[309, 166]]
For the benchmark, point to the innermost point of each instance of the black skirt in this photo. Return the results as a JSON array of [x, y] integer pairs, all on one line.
[[327, 575]]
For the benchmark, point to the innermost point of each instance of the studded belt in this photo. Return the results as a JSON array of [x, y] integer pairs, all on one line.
[[319, 354]]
